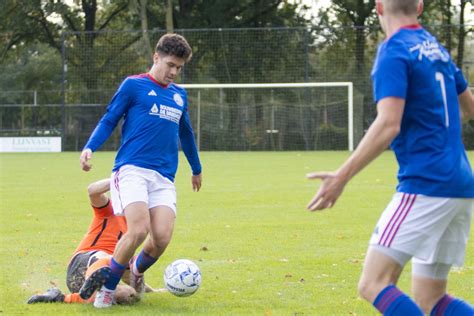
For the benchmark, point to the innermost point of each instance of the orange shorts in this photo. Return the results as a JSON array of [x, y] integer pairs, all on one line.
[[104, 262]]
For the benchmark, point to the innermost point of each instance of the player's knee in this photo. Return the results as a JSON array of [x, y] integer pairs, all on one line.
[[162, 238], [364, 289], [137, 236], [369, 288]]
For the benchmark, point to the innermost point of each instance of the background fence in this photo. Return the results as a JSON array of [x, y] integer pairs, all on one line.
[[92, 65]]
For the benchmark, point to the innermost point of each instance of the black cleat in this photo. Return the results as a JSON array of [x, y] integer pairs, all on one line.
[[94, 282], [52, 295]]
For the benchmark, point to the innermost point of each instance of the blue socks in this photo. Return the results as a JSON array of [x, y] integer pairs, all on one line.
[[393, 302], [144, 261], [117, 271], [450, 306]]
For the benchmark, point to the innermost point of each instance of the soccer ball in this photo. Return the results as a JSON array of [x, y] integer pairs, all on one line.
[[182, 277]]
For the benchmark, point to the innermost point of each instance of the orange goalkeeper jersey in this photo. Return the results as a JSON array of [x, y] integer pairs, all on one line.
[[104, 232]]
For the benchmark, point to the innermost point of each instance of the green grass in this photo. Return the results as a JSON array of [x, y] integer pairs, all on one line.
[[266, 254]]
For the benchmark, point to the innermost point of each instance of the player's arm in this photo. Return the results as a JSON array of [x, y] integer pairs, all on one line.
[[465, 97], [97, 192], [379, 136], [101, 133], [466, 102], [115, 111], [188, 144]]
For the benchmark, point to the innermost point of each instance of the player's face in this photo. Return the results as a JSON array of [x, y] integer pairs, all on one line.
[[167, 68]]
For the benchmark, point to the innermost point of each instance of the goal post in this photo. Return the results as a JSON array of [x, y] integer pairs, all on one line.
[[195, 90]]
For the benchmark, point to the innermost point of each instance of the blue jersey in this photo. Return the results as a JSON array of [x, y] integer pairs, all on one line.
[[413, 66], [155, 120]]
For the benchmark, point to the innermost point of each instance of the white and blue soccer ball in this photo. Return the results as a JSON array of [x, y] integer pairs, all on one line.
[[182, 277]]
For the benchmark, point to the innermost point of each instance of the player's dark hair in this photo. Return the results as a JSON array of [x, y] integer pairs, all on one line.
[[174, 45], [406, 7]]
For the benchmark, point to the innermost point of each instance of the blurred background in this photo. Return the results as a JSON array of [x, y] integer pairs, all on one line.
[[61, 61]]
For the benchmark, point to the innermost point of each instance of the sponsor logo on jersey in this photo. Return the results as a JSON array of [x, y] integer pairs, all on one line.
[[430, 50], [166, 112], [178, 99], [154, 110], [153, 93]]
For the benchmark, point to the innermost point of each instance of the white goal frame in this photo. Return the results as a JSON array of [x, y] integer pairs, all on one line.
[[348, 85]]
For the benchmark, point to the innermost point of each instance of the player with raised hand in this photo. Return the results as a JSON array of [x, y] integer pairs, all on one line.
[[155, 116], [421, 96]]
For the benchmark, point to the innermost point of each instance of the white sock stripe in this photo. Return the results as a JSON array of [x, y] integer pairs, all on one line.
[[135, 268]]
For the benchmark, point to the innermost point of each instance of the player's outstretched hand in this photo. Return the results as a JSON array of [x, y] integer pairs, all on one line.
[[86, 155], [331, 188], [196, 181]]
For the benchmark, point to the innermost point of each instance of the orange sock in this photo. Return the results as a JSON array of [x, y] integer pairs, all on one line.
[[74, 298]]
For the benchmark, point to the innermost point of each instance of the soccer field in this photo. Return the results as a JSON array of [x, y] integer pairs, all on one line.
[[259, 250]]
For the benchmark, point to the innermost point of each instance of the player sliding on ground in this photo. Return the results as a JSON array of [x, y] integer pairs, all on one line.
[[92, 255], [420, 94], [155, 121]]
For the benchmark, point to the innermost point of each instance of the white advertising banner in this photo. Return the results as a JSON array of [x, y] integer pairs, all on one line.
[[30, 144]]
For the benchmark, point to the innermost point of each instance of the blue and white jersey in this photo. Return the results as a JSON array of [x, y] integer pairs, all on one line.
[[155, 120], [412, 65]]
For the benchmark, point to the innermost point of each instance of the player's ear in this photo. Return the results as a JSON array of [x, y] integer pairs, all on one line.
[[379, 7], [419, 10], [156, 58]]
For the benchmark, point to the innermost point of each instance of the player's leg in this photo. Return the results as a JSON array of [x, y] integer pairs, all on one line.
[[124, 295], [382, 268], [379, 271], [429, 282], [52, 295], [75, 298], [162, 225], [399, 234], [163, 216], [95, 276], [429, 277], [137, 216], [75, 275], [129, 195], [162, 202], [138, 223]]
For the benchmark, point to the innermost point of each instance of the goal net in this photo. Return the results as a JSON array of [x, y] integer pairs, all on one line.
[[227, 117], [273, 116]]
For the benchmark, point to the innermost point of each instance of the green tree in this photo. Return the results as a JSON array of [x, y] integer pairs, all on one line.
[[463, 32], [221, 55], [45, 21], [31, 78], [349, 34]]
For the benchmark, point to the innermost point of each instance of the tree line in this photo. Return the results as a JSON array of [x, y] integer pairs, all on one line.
[[92, 38]]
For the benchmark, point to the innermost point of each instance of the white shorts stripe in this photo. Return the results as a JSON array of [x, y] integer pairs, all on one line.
[[430, 229], [402, 215], [394, 217], [132, 184], [117, 186]]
